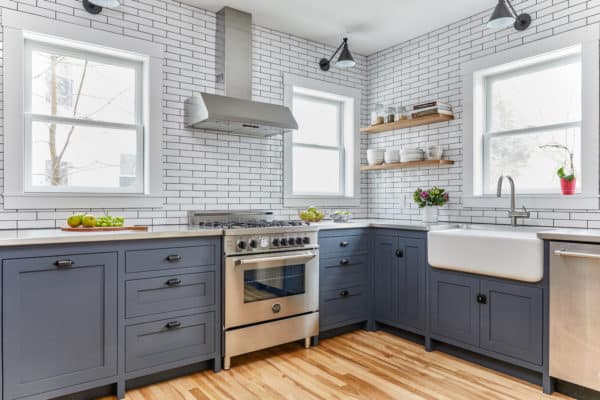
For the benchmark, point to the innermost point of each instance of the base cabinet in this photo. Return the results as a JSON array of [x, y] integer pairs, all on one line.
[[59, 319], [399, 280], [501, 317]]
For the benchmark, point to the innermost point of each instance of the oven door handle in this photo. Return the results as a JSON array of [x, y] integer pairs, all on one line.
[[270, 260]]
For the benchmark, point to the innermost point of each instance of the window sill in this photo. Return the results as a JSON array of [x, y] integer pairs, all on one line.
[[318, 201], [27, 201], [550, 201]]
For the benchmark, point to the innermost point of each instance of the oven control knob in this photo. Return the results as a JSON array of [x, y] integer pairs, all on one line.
[[253, 243], [291, 241], [306, 240], [241, 244], [275, 242], [283, 242], [298, 240]]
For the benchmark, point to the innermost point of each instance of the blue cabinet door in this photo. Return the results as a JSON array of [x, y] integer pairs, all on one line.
[[385, 278], [454, 309], [511, 320], [412, 267], [60, 322]]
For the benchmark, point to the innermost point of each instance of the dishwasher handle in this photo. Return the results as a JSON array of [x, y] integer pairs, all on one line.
[[575, 254]]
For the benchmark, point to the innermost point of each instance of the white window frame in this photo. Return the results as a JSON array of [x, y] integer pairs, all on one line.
[[474, 73], [22, 30], [348, 145]]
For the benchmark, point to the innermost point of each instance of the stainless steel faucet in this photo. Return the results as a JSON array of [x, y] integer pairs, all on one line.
[[513, 213]]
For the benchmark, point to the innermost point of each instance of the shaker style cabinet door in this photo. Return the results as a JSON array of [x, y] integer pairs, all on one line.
[[385, 278], [412, 267], [60, 322], [511, 320], [454, 307]]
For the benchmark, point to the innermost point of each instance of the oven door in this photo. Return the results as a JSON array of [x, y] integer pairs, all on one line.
[[270, 286]]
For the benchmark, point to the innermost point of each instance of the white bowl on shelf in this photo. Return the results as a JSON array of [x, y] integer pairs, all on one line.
[[391, 156], [375, 156], [408, 155]]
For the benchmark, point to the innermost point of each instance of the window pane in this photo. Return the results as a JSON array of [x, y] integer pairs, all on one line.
[[316, 171], [535, 97], [94, 157], [318, 121], [74, 87], [533, 169]]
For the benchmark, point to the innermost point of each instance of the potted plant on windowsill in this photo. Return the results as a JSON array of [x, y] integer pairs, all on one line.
[[430, 201], [568, 182]]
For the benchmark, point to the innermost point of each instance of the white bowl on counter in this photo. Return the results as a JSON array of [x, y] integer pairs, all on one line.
[[391, 156], [375, 156]]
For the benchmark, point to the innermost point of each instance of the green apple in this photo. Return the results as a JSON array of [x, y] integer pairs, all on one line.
[[74, 220], [89, 221]]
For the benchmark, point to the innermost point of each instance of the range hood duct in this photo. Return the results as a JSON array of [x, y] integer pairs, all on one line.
[[236, 112]]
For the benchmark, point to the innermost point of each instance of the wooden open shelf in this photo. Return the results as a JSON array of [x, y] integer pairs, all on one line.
[[411, 164], [407, 123]]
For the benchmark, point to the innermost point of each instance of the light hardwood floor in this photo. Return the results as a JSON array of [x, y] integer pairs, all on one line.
[[358, 365]]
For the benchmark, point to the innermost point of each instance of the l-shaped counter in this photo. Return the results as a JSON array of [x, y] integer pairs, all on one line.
[[110, 322]]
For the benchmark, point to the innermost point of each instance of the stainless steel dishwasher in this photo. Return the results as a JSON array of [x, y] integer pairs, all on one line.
[[575, 313]]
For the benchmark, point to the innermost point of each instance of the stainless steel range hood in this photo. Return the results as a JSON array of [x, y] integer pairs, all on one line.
[[236, 112]]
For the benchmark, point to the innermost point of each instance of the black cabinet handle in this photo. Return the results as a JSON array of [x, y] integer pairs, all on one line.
[[344, 261], [344, 244], [173, 282], [482, 298], [174, 258], [173, 325], [64, 263], [344, 293], [400, 253]]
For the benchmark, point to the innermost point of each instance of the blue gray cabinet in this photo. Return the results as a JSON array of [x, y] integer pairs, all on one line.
[[399, 268], [454, 309], [500, 317], [344, 278], [59, 322]]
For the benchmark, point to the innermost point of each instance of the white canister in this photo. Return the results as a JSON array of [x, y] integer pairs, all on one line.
[[375, 156]]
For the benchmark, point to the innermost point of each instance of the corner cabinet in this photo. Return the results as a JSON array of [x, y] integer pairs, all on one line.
[[496, 317], [399, 268], [60, 322]]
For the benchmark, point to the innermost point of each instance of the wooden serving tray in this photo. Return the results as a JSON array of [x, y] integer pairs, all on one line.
[[104, 228]]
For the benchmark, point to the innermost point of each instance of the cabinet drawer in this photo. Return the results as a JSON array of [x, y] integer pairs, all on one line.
[[339, 272], [161, 342], [170, 293], [169, 258], [343, 305], [343, 245]]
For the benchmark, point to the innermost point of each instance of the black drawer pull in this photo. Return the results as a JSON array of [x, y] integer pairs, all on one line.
[[174, 258], [400, 253], [173, 282], [344, 261], [344, 293], [64, 263], [344, 244], [482, 298], [173, 325]]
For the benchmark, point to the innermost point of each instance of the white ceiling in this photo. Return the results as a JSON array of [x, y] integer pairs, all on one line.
[[371, 25]]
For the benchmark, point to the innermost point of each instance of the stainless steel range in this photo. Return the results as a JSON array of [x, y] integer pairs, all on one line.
[[271, 280]]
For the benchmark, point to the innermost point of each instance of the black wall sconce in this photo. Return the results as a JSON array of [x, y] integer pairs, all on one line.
[[504, 15], [344, 61], [95, 6]]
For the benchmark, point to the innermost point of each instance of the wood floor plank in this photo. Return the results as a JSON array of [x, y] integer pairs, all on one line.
[[359, 365]]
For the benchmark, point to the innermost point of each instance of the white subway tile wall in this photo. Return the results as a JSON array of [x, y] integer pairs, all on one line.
[[428, 67], [203, 170]]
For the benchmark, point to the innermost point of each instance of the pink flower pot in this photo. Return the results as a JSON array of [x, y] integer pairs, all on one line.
[[568, 187]]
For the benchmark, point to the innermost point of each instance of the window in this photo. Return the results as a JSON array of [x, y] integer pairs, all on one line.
[[321, 156], [83, 121], [522, 100], [83, 127], [521, 115]]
